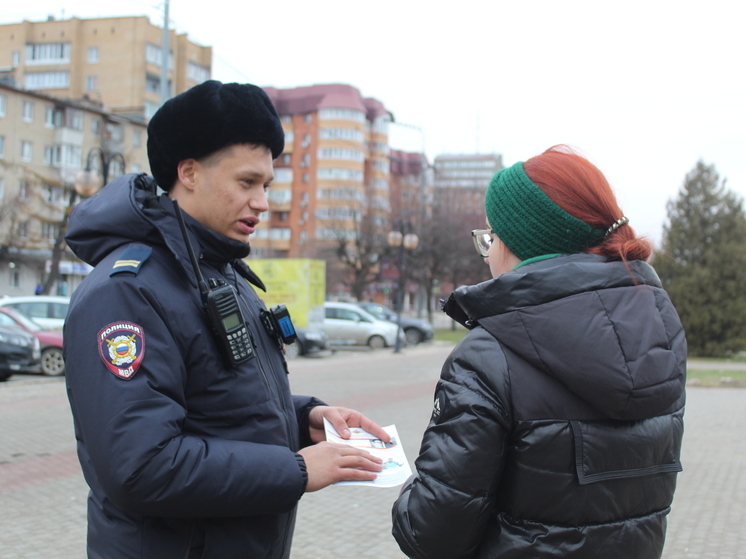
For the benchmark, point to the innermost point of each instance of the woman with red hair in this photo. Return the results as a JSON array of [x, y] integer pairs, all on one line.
[[558, 419]]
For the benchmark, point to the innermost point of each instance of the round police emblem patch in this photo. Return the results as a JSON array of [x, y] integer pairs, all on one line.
[[122, 346]]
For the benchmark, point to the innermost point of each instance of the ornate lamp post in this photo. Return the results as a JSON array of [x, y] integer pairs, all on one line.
[[87, 182], [403, 238]]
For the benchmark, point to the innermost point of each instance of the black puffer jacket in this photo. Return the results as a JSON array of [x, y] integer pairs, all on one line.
[[558, 419], [186, 453]]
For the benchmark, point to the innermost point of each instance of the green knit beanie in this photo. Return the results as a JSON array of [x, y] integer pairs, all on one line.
[[529, 222]]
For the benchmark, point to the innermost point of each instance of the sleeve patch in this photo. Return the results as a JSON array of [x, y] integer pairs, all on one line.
[[131, 259], [122, 346]]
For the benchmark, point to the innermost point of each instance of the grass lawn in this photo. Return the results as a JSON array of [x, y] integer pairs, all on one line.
[[448, 335]]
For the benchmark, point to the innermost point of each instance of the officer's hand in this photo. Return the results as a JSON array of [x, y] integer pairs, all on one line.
[[328, 463], [341, 419]]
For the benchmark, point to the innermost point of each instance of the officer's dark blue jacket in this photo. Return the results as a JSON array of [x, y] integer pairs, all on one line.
[[180, 450]]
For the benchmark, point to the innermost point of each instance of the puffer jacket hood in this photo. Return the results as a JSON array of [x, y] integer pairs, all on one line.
[[128, 210], [600, 328]]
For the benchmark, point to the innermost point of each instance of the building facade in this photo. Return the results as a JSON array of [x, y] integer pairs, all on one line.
[[113, 61], [44, 143], [332, 181], [461, 180]]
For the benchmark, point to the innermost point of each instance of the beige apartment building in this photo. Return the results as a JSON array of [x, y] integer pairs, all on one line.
[[113, 61], [332, 180], [461, 180], [44, 143]]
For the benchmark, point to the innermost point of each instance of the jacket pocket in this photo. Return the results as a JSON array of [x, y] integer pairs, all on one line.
[[608, 450]]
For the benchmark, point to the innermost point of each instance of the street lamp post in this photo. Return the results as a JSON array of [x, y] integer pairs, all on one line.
[[401, 238], [87, 182]]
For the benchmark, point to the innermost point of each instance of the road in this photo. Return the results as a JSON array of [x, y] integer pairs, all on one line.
[[42, 493]]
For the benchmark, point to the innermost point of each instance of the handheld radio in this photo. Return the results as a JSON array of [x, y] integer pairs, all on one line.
[[220, 302]]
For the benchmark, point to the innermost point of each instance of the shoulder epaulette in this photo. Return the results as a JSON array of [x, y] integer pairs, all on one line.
[[131, 259]]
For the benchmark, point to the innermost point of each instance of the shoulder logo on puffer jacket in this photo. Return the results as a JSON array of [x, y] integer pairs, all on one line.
[[438, 406]]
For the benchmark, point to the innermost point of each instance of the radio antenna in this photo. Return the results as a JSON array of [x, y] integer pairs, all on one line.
[[197, 272]]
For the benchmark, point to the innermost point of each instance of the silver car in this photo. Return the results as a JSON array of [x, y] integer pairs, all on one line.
[[348, 324]]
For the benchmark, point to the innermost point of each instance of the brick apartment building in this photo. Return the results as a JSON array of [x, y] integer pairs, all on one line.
[[114, 61], [333, 174]]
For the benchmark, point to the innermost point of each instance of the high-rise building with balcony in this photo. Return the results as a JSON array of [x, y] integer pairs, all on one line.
[[114, 61], [332, 181]]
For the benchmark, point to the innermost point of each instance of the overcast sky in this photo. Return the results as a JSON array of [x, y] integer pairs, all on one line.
[[644, 89]]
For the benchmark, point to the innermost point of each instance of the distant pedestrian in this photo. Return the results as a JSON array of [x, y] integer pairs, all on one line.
[[558, 420], [39, 290]]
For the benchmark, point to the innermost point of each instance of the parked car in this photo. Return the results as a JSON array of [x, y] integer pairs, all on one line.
[[49, 311], [19, 351], [309, 340], [50, 341], [348, 324], [416, 330]]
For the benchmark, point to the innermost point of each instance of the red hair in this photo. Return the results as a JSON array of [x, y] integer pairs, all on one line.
[[579, 188]]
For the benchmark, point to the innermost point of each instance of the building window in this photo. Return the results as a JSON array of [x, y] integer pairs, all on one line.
[[151, 108], [16, 58], [26, 151], [341, 114], [2, 188], [136, 138], [28, 111], [153, 84], [289, 138], [53, 194], [95, 126], [341, 153], [306, 141], [47, 80], [286, 159], [92, 55], [287, 119], [49, 117], [74, 119], [2, 105], [15, 278], [22, 229], [115, 131], [91, 83], [23, 190], [283, 175], [305, 177], [48, 53], [308, 118], [280, 196], [197, 73], [153, 55], [49, 231], [134, 168], [327, 173], [2, 147], [342, 134]]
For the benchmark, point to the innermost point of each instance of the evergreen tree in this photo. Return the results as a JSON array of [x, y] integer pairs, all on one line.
[[703, 263]]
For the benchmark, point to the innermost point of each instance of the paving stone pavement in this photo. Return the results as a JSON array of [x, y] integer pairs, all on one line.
[[42, 493]]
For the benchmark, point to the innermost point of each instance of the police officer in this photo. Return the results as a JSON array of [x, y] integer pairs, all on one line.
[[189, 451]]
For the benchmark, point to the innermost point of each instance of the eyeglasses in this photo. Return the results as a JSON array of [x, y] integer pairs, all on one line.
[[482, 241]]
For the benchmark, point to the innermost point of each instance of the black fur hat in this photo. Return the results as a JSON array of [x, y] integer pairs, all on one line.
[[206, 118]]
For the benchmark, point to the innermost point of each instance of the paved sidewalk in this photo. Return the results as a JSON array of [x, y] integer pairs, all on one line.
[[42, 493]]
